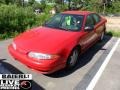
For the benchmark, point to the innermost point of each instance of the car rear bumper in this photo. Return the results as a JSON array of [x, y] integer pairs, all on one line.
[[43, 66]]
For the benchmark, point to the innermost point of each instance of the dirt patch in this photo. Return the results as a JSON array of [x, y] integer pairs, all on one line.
[[113, 23]]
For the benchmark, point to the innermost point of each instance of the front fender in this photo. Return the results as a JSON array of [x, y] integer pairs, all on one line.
[[67, 49]]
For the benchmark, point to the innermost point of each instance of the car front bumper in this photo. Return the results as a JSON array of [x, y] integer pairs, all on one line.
[[43, 66]]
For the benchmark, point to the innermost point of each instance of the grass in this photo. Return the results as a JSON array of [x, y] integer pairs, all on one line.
[[8, 35], [113, 33]]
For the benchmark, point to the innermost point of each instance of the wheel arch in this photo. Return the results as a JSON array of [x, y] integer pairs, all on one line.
[[74, 47], [78, 47]]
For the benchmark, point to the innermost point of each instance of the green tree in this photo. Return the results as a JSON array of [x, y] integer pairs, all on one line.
[[2, 1], [31, 2], [43, 4], [18, 2], [6, 1]]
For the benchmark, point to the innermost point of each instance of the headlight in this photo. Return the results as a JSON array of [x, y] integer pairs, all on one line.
[[14, 45], [41, 55]]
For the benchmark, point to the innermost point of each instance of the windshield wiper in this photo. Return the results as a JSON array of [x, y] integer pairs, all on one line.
[[63, 28]]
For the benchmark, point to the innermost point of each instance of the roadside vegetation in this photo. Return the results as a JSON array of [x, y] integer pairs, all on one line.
[[113, 33], [16, 16]]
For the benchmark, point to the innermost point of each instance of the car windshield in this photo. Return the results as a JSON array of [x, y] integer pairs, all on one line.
[[69, 22]]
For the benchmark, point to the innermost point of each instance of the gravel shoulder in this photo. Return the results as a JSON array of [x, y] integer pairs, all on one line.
[[113, 23]]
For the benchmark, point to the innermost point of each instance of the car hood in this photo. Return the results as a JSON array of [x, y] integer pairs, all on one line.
[[43, 39]]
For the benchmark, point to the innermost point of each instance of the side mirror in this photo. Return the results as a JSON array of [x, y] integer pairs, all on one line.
[[89, 28]]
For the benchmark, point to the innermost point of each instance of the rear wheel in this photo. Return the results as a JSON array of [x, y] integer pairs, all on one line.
[[102, 36], [72, 59], [103, 33]]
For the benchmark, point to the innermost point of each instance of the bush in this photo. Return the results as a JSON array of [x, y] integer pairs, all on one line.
[[114, 9], [15, 19], [40, 19]]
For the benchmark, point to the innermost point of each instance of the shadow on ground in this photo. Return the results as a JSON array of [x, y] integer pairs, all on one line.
[[83, 59], [6, 68]]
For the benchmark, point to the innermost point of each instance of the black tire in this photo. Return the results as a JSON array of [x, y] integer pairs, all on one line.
[[102, 36], [73, 58]]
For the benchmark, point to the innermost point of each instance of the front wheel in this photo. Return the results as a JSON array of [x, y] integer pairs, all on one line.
[[72, 59]]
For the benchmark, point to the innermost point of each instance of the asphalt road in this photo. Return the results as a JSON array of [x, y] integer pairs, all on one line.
[[110, 79], [77, 78]]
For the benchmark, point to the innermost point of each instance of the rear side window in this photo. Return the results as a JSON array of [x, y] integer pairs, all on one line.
[[89, 21], [96, 18]]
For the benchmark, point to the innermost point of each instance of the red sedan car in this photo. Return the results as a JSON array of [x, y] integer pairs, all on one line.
[[58, 43]]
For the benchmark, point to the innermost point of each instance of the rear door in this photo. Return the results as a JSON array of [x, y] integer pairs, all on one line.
[[89, 37], [99, 25]]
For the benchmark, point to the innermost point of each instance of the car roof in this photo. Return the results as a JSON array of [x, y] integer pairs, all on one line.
[[77, 12]]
